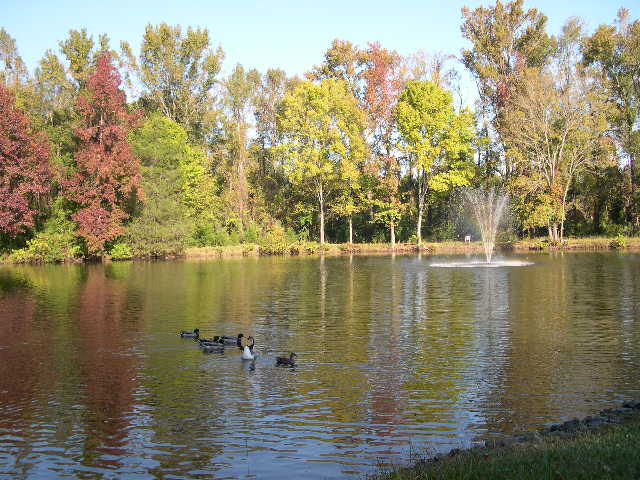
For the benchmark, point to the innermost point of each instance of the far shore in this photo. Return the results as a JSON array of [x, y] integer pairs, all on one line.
[[620, 243], [429, 248]]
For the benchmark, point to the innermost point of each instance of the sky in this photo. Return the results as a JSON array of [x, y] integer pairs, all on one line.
[[291, 35]]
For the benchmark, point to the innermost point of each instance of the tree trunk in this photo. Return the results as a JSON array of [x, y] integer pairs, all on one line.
[[634, 207], [350, 229], [419, 227], [393, 234], [553, 232], [564, 207], [321, 198]]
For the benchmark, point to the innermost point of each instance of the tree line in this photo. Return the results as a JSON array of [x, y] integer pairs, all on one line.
[[369, 146]]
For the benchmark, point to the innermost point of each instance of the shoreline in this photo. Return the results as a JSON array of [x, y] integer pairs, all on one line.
[[575, 447], [428, 248], [628, 244]]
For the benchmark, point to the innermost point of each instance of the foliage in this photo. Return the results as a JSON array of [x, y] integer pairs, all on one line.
[[160, 228], [435, 140], [323, 128], [121, 251], [618, 242], [159, 142], [506, 40], [13, 71], [341, 62], [240, 89], [368, 148], [106, 174], [556, 130], [275, 242], [615, 54], [56, 243], [25, 173], [178, 73]]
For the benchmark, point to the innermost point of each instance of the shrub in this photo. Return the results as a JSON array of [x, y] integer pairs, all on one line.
[[121, 251], [618, 242], [274, 242], [57, 243], [48, 248], [252, 233]]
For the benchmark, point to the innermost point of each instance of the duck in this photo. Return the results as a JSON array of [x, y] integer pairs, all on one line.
[[247, 342], [286, 362], [212, 348], [229, 340], [247, 354], [190, 334], [207, 340]]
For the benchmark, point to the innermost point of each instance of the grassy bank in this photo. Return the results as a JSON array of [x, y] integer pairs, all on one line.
[[314, 248], [610, 451], [433, 248]]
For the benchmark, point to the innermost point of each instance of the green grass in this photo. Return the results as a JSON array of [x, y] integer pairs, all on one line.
[[612, 452], [582, 243], [226, 251]]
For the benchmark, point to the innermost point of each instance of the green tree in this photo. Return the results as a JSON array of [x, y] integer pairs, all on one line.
[[435, 139], [13, 71], [323, 129], [342, 61], [178, 73], [180, 192], [270, 92]]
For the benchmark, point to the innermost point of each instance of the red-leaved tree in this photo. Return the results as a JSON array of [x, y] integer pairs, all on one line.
[[383, 83], [25, 173], [107, 173]]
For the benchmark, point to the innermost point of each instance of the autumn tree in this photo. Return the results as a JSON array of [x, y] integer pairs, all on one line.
[[435, 139], [25, 175], [105, 176], [383, 82], [270, 92], [323, 129], [506, 39], [178, 73], [615, 54], [556, 123], [239, 90]]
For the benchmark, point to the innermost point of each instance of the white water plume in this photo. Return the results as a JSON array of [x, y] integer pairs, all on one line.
[[488, 206]]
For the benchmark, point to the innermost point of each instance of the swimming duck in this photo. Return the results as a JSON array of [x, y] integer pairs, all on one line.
[[247, 354], [229, 340], [190, 334], [213, 348], [286, 362], [247, 342]]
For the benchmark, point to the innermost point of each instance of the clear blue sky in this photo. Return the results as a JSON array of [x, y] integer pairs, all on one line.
[[291, 35]]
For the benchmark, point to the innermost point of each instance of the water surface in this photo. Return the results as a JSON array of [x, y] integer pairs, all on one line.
[[394, 357]]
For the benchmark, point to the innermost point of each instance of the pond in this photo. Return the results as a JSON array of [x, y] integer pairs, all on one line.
[[395, 358]]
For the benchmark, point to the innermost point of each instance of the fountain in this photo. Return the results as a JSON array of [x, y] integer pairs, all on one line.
[[488, 206]]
